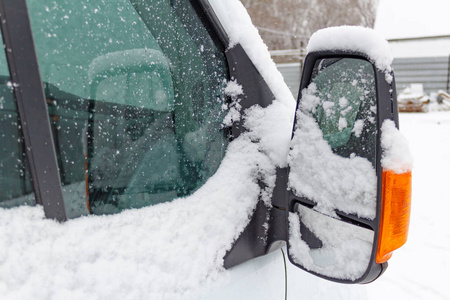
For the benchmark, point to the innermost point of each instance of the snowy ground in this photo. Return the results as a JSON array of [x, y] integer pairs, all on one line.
[[420, 269]]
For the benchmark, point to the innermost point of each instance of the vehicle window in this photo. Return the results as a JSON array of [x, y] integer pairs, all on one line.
[[135, 98], [15, 179]]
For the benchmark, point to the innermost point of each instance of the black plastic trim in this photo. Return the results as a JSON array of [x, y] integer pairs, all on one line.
[[213, 20], [256, 240], [266, 230], [256, 91], [32, 107]]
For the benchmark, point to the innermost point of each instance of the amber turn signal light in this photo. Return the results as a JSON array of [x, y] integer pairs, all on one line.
[[395, 213]]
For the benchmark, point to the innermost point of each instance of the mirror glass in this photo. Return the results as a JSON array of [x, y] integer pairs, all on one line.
[[332, 163]]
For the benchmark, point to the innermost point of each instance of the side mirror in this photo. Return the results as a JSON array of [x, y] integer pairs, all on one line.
[[347, 211]]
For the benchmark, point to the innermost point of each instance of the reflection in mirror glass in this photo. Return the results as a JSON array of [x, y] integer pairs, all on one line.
[[344, 250], [332, 165], [332, 161]]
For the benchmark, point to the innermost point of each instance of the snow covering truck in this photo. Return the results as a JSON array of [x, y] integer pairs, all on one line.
[[161, 133]]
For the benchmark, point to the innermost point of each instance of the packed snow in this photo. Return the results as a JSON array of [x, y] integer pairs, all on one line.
[[364, 40], [233, 90], [168, 250], [328, 177], [396, 154]]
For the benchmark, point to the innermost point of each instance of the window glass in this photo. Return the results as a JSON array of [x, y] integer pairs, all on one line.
[[15, 182], [135, 97]]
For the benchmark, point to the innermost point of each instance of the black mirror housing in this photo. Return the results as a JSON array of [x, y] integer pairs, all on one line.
[[320, 261]]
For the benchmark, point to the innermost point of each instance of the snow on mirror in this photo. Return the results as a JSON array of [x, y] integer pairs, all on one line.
[[333, 170]]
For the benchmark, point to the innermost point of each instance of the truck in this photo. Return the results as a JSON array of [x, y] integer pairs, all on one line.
[[150, 150]]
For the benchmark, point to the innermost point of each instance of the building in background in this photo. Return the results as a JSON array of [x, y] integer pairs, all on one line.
[[419, 36], [424, 60]]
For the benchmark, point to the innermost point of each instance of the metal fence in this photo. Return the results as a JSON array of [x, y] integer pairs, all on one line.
[[291, 75], [432, 72]]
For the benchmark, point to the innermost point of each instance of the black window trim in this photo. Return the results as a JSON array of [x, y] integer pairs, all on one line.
[[32, 107]]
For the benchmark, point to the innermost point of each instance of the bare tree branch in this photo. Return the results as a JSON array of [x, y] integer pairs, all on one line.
[[288, 24]]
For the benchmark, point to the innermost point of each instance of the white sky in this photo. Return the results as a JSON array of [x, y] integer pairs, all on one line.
[[413, 18]]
